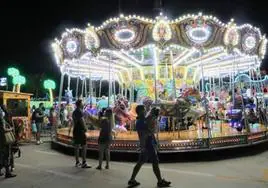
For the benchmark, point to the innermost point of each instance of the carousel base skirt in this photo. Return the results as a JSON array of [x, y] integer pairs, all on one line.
[[219, 137]]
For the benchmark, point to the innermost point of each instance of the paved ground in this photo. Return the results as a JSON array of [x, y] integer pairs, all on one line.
[[41, 167]]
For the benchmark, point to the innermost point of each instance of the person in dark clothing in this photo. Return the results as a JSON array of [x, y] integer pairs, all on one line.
[[5, 150], [148, 146], [105, 138], [39, 121], [79, 134]]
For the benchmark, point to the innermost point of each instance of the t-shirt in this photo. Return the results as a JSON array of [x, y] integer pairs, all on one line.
[[79, 125], [41, 113], [146, 137], [106, 131]]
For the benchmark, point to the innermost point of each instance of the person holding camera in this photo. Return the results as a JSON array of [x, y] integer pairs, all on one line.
[[145, 126]]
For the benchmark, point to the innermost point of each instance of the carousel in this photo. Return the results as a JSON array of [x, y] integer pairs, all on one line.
[[201, 73]]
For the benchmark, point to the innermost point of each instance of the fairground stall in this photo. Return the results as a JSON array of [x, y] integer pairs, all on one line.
[[18, 106], [203, 74]]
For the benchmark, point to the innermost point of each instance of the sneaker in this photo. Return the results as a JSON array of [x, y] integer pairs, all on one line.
[[99, 168], [163, 183], [10, 175], [78, 164], [41, 142], [84, 165], [107, 167], [133, 183], [38, 142]]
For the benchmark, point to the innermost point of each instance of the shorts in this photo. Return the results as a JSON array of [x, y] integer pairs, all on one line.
[[148, 156], [80, 139], [38, 127]]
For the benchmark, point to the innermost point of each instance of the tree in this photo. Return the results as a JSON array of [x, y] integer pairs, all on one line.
[[50, 85], [18, 81], [13, 72]]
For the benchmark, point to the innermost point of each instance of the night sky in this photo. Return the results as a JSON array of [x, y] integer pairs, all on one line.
[[27, 28]]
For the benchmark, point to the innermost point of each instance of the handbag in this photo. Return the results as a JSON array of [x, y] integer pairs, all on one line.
[[9, 137], [34, 128]]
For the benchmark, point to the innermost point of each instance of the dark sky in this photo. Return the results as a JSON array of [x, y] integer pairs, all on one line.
[[27, 27]]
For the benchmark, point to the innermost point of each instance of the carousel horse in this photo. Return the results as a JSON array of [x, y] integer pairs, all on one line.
[[122, 116], [191, 93], [181, 109]]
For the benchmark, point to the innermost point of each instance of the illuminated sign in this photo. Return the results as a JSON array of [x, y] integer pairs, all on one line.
[[3, 82]]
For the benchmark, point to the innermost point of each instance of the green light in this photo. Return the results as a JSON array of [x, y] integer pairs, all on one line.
[[19, 80], [49, 84], [13, 72]]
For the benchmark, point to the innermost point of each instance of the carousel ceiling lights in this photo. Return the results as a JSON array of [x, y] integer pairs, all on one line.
[[71, 46], [199, 35], [250, 42], [124, 35]]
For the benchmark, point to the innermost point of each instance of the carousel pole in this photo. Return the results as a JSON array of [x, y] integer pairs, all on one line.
[[233, 84], [155, 89], [77, 88], [125, 91], [200, 90], [131, 87], [109, 90], [173, 74], [230, 80], [61, 88], [203, 82], [113, 87], [60, 98], [250, 84], [100, 88], [85, 87], [213, 84], [90, 84], [69, 83], [219, 77], [155, 72], [210, 85], [83, 82]]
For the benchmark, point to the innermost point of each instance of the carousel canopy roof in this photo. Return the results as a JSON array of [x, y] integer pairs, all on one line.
[[126, 42]]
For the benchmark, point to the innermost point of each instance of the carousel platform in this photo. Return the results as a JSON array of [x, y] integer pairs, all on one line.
[[194, 140]]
